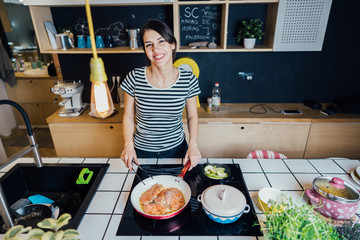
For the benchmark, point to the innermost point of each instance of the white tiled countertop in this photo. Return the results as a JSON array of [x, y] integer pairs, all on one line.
[[104, 213]]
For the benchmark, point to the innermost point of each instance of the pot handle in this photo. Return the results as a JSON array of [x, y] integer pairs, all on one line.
[[247, 208], [199, 198], [337, 182], [184, 170], [310, 194]]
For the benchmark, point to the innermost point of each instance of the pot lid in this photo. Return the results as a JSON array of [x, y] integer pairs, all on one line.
[[223, 200], [336, 189]]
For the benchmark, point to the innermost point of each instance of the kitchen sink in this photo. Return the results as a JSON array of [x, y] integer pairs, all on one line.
[[53, 181]]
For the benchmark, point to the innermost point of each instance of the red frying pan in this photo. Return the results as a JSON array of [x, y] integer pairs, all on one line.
[[167, 181]]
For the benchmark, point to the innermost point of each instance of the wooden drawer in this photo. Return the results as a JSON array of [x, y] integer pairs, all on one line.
[[333, 140], [87, 139], [37, 112], [32, 91], [227, 140]]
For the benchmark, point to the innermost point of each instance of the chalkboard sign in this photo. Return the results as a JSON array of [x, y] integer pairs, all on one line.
[[200, 23]]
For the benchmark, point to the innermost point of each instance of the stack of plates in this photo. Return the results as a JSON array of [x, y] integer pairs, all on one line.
[[355, 174]]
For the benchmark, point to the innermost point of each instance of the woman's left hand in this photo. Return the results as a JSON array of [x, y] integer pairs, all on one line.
[[193, 154]]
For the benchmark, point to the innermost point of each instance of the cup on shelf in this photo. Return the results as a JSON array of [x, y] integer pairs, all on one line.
[[88, 42], [62, 41], [99, 41], [81, 43], [109, 41]]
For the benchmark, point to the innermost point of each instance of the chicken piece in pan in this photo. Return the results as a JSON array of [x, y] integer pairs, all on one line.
[[154, 208], [171, 197], [149, 195]]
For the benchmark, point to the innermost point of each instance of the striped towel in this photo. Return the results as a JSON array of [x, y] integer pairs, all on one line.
[[264, 154]]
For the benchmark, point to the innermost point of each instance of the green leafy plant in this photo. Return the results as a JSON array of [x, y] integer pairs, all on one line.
[[349, 230], [292, 220], [251, 29], [54, 225]]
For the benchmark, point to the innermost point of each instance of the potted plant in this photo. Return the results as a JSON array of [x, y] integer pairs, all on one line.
[[250, 31], [291, 220], [18, 231]]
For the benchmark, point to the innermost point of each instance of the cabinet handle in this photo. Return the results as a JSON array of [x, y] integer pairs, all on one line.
[[30, 81], [242, 128], [111, 127]]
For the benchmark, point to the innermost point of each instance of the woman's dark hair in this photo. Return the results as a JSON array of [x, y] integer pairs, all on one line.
[[161, 28]]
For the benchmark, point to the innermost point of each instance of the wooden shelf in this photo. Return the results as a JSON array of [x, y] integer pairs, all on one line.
[[40, 13], [122, 49]]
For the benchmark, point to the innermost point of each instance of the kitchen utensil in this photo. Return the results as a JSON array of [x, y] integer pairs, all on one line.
[[133, 36], [81, 179], [335, 197], [267, 197], [40, 211], [167, 181], [35, 199], [223, 203]]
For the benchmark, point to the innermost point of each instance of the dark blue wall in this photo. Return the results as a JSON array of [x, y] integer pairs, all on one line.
[[279, 76]]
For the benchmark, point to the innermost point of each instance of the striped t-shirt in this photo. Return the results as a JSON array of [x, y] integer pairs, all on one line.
[[158, 111]]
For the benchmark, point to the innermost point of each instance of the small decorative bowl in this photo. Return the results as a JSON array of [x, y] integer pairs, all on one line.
[[217, 165]]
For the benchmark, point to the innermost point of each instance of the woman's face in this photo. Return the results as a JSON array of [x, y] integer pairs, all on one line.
[[157, 49]]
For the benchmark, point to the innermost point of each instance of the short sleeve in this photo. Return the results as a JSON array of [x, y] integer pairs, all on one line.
[[128, 85], [194, 88]]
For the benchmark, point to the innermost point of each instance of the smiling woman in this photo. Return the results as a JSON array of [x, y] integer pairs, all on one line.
[[155, 96]]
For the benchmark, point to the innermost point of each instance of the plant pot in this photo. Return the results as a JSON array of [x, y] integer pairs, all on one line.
[[336, 198], [249, 42]]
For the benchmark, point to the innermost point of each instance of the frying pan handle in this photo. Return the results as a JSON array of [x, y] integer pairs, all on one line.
[[185, 169]]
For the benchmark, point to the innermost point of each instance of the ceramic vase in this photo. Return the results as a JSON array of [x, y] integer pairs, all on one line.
[[249, 42]]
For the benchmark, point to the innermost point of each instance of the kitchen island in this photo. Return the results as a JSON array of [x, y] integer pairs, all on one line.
[[103, 216]]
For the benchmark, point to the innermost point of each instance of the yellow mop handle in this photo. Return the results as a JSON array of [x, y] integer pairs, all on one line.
[[91, 28]]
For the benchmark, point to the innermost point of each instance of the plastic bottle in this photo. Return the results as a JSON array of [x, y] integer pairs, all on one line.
[[22, 63], [216, 97]]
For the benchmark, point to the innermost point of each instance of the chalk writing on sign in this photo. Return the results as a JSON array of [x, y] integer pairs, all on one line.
[[200, 23]]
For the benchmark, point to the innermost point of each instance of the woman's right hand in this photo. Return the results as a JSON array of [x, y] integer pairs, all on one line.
[[128, 154]]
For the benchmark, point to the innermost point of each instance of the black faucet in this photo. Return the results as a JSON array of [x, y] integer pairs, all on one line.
[[33, 146]]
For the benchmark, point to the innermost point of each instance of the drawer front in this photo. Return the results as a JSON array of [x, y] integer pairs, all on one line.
[[87, 140], [37, 112], [334, 140], [32, 91], [226, 140]]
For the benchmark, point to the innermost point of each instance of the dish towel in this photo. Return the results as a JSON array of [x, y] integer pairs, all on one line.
[[264, 154], [6, 69]]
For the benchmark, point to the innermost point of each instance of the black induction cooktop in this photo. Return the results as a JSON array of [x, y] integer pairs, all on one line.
[[192, 221]]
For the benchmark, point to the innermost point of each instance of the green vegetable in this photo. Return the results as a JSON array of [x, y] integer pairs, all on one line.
[[349, 230], [297, 221], [215, 172]]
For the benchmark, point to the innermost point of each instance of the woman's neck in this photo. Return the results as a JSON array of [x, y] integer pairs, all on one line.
[[162, 77]]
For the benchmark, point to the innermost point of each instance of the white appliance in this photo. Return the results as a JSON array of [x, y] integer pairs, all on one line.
[[71, 91]]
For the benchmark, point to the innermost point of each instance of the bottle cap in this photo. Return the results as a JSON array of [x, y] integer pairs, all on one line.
[[216, 84]]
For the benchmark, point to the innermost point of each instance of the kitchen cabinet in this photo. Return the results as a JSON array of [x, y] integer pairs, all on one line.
[[237, 140], [232, 132], [34, 95], [86, 136], [41, 11], [334, 140]]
